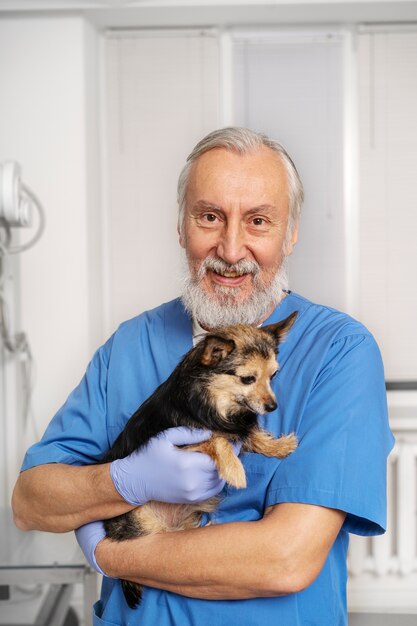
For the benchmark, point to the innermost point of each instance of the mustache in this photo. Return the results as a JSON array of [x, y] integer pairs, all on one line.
[[214, 264]]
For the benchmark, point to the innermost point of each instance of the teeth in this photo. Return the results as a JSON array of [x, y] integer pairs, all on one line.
[[230, 274]]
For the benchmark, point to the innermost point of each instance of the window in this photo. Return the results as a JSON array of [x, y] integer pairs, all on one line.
[[388, 196], [162, 97], [290, 86]]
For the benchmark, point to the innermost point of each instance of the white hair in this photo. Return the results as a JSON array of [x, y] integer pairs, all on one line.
[[243, 141]]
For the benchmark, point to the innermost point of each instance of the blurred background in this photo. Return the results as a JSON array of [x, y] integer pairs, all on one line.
[[100, 104]]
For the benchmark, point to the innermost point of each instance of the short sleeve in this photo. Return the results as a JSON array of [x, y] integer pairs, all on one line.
[[77, 434], [344, 439]]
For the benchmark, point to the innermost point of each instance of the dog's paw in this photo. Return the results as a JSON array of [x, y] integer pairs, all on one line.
[[285, 445], [234, 475]]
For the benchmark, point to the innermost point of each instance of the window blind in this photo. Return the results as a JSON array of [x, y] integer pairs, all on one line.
[[290, 86], [162, 97], [388, 196]]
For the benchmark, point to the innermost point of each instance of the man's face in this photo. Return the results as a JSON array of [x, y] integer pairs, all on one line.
[[235, 225]]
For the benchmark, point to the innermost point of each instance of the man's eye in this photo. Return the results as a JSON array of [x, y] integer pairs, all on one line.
[[258, 221], [247, 380], [210, 217]]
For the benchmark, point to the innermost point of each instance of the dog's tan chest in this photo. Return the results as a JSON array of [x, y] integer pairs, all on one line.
[[155, 517]]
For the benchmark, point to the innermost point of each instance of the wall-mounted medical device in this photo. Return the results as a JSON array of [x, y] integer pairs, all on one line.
[[19, 208], [15, 204]]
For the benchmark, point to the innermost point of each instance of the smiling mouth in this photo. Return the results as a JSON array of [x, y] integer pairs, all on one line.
[[230, 274], [230, 279]]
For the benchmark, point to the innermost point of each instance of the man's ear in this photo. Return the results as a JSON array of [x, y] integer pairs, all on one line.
[[216, 349], [290, 244], [280, 330], [180, 235]]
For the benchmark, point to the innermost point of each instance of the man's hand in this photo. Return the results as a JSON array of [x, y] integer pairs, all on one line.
[[88, 537], [162, 471]]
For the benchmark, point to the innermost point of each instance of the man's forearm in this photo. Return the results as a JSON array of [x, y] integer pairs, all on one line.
[[280, 554], [215, 562], [58, 498]]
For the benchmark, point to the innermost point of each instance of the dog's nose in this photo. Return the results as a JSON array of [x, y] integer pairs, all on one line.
[[271, 406]]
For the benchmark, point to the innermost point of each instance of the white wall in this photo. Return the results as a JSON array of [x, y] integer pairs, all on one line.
[[48, 78]]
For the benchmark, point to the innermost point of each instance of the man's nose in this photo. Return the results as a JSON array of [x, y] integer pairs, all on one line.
[[232, 244]]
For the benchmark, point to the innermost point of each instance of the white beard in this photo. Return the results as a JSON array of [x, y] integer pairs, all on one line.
[[223, 308]]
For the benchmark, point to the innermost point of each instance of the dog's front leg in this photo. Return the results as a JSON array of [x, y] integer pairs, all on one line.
[[265, 443], [228, 465]]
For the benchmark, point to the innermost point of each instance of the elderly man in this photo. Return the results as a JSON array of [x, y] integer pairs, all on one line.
[[275, 552]]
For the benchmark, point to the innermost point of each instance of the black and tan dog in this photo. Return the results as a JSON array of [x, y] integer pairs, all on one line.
[[222, 384]]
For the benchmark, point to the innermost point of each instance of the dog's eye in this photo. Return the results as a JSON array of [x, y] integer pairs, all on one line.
[[247, 380], [274, 374]]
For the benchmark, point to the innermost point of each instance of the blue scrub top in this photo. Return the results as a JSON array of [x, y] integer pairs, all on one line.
[[330, 392]]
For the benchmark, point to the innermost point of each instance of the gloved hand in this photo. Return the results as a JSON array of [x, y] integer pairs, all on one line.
[[161, 471], [88, 537]]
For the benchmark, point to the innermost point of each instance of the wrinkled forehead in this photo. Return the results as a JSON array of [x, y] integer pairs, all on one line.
[[257, 177]]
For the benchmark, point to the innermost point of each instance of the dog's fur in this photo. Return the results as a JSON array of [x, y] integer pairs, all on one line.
[[220, 385]]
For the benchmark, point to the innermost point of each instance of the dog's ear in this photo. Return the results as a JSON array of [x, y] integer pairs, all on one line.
[[280, 330], [216, 349]]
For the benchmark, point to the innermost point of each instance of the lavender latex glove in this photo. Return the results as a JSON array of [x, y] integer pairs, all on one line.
[[88, 537], [161, 471]]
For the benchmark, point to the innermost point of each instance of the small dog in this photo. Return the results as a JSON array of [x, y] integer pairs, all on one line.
[[221, 385]]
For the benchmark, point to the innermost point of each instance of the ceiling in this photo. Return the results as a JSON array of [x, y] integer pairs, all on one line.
[[160, 13]]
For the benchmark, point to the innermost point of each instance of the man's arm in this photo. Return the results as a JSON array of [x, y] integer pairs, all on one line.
[[58, 498], [280, 554]]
